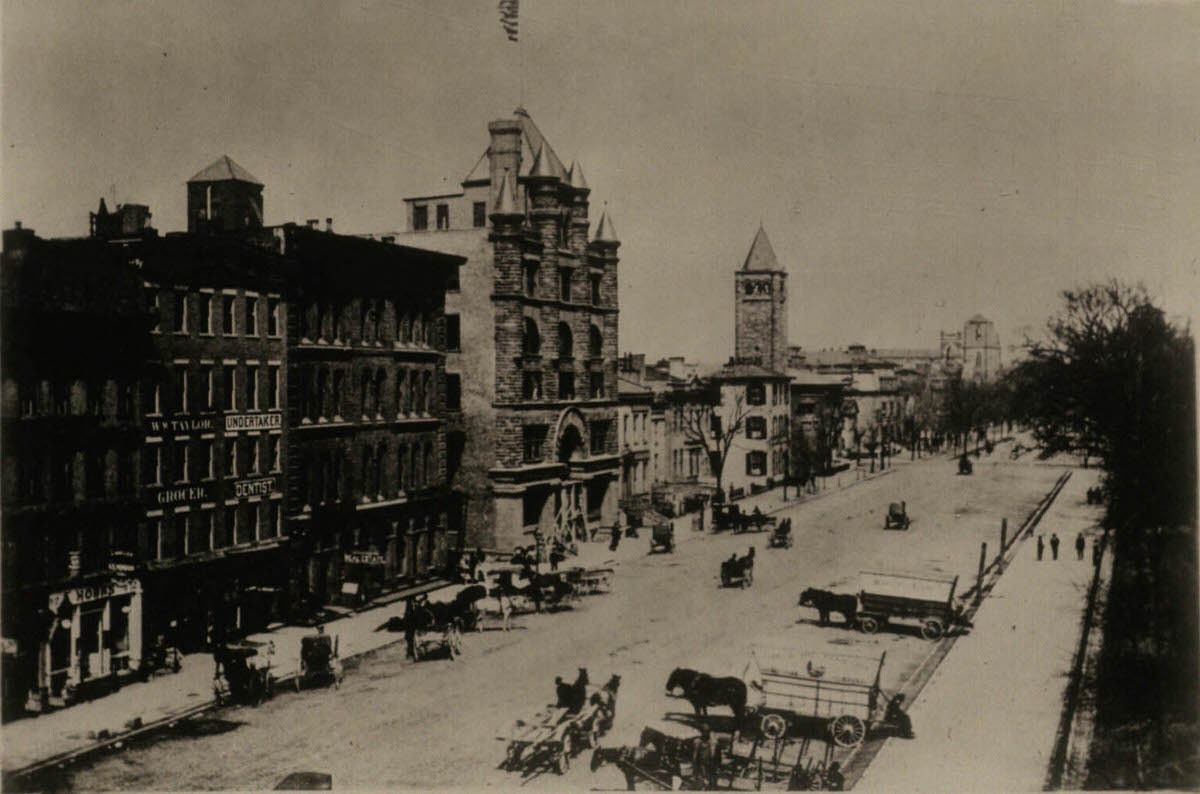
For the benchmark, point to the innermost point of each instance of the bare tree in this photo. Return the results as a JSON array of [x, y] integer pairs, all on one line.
[[715, 435]]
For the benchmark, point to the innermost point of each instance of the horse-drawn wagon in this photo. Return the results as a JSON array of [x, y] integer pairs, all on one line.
[[242, 672], [781, 537], [319, 661], [738, 571], [662, 536], [794, 686], [551, 737], [589, 581], [927, 600]]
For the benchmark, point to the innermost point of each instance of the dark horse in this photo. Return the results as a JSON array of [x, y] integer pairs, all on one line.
[[461, 610], [825, 602], [551, 587], [572, 696], [703, 690]]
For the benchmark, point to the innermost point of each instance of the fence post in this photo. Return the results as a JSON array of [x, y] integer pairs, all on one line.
[[979, 576]]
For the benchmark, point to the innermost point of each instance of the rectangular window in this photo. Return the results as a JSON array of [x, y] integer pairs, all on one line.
[[532, 437], [756, 464], [531, 386], [208, 455], [271, 525], [255, 459], [152, 472], [181, 390], [597, 390], [206, 379], [206, 313], [443, 217], [566, 385], [273, 317], [231, 456], [156, 538], [479, 213], [453, 392], [273, 388], [180, 318], [252, 388], [251, 316], [564, 283], [420, 218], [599, 434], [230, 378], [232, 525], [256, 518], [273, 451], [179, 460], [200, 533], [227, 315], [452, 280], [756, 427], [595, 290], [152, 303], [756, 394], [453, 332]]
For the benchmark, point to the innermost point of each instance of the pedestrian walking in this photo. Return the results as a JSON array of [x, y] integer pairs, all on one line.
[[1041, 547], [410, 628], [1054, 545], [1095, 551], [1080, 545]]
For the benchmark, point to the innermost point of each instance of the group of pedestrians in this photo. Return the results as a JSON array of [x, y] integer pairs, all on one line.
[[1080, 546]]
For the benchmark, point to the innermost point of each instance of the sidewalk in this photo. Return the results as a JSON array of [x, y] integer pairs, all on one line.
[[35, 739], [988, 718]]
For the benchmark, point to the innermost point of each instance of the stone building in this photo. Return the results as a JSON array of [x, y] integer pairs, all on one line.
[[534, 448], [757, 402]]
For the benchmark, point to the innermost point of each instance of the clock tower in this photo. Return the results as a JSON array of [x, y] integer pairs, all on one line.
[[760, 307]]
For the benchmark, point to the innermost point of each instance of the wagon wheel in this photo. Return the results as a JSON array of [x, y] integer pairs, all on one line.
[[562, 761], [773, 726], [847, 730], [869, 625], [932, 629]]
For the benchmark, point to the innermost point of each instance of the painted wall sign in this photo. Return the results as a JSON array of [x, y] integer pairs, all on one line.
[[187, 425], [363, 558], [189, 493], [261, 487], [253, 421]]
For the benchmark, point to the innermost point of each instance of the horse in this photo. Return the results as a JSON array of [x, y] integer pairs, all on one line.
[[607, 695], [572, 697], [738, 567], [825, 602], [703, 690]]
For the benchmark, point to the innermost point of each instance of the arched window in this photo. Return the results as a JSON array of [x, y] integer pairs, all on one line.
[[595, 342], [365, 394], [322, 396], [429, 478], [427, 405], [377, 397], [404, 333], [403, 398], [401, 467], [531, 340], [418, 397], [418, 332], [565, 341]]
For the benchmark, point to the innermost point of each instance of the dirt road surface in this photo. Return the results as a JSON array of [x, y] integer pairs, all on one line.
[[395, 724]]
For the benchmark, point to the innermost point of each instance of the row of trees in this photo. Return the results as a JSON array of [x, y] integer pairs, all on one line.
[[1114, 381]]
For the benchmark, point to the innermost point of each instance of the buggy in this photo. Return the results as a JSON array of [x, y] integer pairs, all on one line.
[[243, 673], [897, 516], [319, 661], [662, 536], [738, 571], [781, 537], [928, 600]]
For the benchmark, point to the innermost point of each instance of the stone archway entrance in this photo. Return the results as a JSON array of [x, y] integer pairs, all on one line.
[[570, 508]]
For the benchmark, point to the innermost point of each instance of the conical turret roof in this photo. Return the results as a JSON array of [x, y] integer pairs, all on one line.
[[605, 233], [505, 203], [762, 255], [223, 170], [541, 165], [575, 177]]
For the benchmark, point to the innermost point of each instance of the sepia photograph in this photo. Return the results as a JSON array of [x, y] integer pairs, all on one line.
[[599, 395]]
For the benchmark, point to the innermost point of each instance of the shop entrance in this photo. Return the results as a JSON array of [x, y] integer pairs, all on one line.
[[91, 642]]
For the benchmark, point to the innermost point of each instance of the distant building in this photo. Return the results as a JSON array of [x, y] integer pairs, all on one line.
[[533, 350], [759, 399], [981, 349]]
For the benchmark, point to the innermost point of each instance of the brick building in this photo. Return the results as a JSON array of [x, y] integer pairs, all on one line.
[[533, 341], [760, 307], [71, 508]]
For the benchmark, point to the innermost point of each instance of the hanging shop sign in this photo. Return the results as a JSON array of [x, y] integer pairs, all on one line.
[[120, 561], [363, 558], [95, 592], [272, 421], [192, 424]]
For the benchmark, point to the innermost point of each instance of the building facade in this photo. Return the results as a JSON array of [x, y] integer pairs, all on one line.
[[981, 350], [535, 445], [755, 404]]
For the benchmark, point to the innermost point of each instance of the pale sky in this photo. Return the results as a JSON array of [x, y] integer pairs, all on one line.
[[914, 163]]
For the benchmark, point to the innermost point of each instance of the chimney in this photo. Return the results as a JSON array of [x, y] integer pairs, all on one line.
[[312, 223], [329, 224]]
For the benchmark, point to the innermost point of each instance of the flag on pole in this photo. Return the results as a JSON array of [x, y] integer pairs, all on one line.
[[508, 17]]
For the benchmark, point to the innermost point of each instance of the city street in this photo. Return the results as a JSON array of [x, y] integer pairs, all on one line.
[[395, 724]]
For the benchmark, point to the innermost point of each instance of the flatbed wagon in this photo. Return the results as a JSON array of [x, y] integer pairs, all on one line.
[[926, 600]]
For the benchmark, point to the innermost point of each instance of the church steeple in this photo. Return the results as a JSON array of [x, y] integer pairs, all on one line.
[[762, 255], [760, 307]]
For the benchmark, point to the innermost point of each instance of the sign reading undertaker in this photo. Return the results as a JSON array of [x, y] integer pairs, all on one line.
[[234, 422]]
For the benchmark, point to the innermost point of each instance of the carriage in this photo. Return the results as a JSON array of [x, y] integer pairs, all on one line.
[[738, 571], [795, 686], [589, 581], [781, 536], [730, 516], [897, 516], [319, 661], [927, 600], [662, 536], [556, 734], [243, 672]]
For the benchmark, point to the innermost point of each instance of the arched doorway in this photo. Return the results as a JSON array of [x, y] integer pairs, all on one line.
[[571, 446]]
